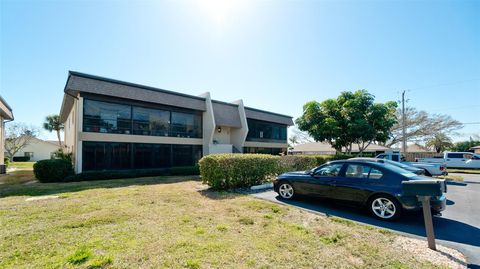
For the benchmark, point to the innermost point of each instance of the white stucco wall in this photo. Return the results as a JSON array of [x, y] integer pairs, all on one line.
[[41, 150]]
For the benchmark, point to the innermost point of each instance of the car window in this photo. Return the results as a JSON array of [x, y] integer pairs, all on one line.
[[455, 155], [382, 156], [357, 171], [331, 170], [375, 174], [395, 158], [468, 156]]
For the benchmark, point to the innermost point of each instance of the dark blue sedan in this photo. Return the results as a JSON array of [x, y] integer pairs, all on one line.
[[378, 186]]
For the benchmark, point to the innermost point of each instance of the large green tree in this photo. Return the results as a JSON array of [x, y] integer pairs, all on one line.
[[351, 118], [52, 123]]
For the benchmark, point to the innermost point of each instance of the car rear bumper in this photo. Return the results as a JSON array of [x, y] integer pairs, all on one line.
[[437, 204]]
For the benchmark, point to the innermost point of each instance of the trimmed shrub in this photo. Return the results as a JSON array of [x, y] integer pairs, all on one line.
[[21, 159], [116, 174], [54, 170], [297, 163], [227, 171]]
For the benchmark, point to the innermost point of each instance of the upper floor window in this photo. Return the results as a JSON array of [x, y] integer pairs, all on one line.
[[148, 121], [266, 131], [186, 125], [105, 117]]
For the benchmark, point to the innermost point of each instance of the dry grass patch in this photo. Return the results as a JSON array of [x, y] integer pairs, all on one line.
[[173, 223]]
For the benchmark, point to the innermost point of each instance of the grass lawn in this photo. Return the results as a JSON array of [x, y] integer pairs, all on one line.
[[173, 222], [467, 171]]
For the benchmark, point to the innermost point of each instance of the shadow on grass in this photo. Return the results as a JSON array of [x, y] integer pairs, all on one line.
[[219, 195], [37, 189]]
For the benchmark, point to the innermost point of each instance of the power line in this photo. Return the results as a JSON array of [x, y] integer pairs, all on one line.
[[470, 123]]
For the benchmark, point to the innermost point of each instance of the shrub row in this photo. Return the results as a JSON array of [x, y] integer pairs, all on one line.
[[227, 171]]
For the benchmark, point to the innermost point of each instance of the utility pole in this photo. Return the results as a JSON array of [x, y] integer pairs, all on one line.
[[404, 138]]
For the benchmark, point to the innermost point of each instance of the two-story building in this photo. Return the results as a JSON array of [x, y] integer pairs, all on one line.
[[5, 116], [111, 125]]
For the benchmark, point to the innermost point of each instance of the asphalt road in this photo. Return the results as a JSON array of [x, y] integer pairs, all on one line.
[[458, 227]]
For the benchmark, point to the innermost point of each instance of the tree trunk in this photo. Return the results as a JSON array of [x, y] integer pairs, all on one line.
[[59, 140]]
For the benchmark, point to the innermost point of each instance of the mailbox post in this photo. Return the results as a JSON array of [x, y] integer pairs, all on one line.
[[427, 217], [424, 190]]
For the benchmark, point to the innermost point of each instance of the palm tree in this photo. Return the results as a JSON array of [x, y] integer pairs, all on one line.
[[439, 142], [52, 123]]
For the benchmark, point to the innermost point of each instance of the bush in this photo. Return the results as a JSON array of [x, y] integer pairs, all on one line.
[[227, 171], [297, 163], [54, 170], [61, 154], [115, 174], [21, 159], [6, 161]]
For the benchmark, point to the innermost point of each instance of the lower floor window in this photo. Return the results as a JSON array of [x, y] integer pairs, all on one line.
[[259, 150], [117, 156]]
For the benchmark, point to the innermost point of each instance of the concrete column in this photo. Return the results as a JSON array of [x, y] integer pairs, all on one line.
[[208, 123], [238, 136]]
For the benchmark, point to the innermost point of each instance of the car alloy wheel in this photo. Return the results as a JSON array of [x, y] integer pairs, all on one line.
[[286, 191], [384, 208]]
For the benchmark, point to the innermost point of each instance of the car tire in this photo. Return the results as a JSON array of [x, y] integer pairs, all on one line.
[[385, 207], [286, 190]]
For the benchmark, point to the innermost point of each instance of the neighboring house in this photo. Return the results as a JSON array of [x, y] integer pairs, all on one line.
[[476, 149], [418, 149], [6, 115], [111, 124], [325, 148], [38, 149]]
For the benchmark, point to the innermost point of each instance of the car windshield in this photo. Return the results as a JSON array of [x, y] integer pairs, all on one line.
[[399, 170]]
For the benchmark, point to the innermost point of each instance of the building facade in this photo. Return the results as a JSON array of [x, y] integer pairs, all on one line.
[[38, 149], [6, 115], [112, 125]]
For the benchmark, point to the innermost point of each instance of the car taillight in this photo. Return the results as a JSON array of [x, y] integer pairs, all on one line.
[[442, 168]]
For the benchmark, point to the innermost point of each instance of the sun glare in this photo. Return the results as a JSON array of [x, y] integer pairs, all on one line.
[[220, 10]]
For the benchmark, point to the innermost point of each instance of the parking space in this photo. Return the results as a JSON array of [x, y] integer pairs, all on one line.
[[459, 227]]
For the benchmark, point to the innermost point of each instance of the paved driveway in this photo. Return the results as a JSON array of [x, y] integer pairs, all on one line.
[[459, 227]]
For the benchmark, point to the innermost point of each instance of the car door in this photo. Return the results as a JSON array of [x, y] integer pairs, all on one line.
[[350, 186], [323, 178], [455, 160], [472, 161]]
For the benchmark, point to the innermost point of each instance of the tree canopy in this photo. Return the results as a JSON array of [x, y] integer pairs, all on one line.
[[421, 126], [353, 117], [17, 136], [52, 123]]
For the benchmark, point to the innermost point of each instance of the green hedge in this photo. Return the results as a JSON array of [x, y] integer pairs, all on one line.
[[54, 170], [228, 171], [115, 174]]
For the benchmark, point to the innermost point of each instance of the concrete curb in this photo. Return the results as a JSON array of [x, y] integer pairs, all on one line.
[[262, 187]]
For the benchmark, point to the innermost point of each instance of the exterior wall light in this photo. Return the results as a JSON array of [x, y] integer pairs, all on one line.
[[219, 129]]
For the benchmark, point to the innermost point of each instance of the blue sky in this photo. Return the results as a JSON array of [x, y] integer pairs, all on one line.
[[275, 55]]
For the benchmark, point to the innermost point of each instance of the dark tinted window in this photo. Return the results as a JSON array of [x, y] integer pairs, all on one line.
[[455, 155], [106, 156], [186, 125], [266, 131], [151, 156], [185, 155], [117, 156], [330, 170], [148, 121], [105, 117], [357, 171]]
